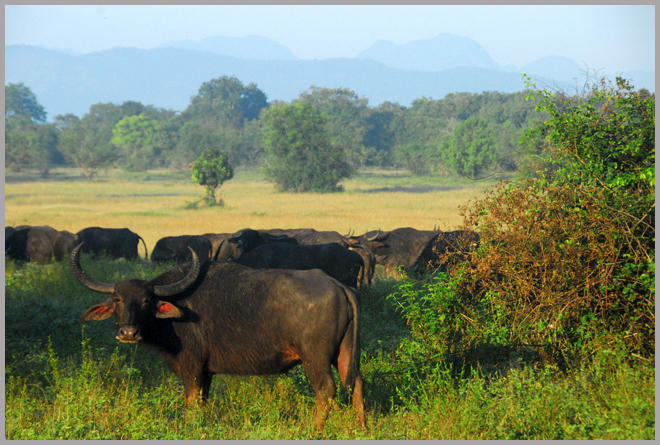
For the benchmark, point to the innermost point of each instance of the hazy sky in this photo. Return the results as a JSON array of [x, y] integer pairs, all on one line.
[[609, 37]]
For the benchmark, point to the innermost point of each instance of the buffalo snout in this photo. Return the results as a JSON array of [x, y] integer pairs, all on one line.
[[128, 334]]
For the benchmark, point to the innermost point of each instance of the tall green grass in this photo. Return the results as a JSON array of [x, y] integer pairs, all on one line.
[[65, 380]]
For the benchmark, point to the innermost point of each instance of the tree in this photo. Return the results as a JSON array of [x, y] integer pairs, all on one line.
[[136, 137], [226, 100], [420, 130], [382, 124], [194, 137], [210, 170], [223, 115], [417, 158], [29, 144], [82, 145], [86, 142], [470, 149], [21, 101], [344, 112], [300, 154]]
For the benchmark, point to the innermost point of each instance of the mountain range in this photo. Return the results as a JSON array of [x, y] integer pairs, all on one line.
[[169, 75]]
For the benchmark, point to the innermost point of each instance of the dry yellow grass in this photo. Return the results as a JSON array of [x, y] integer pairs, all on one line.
[[157, 208]]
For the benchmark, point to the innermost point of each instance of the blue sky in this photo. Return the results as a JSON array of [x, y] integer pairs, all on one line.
[[612, 38]]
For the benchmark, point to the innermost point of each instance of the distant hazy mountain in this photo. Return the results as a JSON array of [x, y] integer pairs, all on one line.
[[170, 77], [555, 67], [442, 52], [249, 47]]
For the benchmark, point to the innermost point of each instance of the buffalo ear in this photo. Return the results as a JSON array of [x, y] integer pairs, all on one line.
[[165, 309], [98, 312]]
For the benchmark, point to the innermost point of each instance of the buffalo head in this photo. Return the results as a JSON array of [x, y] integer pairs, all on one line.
[[133, 302]]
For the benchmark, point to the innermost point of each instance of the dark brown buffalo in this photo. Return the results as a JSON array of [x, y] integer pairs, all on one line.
[[39, 244], [216, 240], [447, 249], [416, 250], [8, 232], [402, 246], [118, 243], [226, 318], [244, 241], [175, 248], [337, 261], [308, 236], [313, 237]]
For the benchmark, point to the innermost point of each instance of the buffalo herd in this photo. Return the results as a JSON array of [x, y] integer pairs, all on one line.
[[41, 244], [252, 302]]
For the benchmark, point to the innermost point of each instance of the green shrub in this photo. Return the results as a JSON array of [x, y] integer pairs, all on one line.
[[210, 170]]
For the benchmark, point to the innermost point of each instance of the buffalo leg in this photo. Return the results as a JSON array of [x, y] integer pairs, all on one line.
[[358, 401], [197, 388], [343, 362], [321, 379]]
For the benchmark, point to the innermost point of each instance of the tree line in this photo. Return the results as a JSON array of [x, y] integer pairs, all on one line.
[[310, 143]]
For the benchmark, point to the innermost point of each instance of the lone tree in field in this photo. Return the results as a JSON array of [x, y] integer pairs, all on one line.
[[210, 170], [300, 154]]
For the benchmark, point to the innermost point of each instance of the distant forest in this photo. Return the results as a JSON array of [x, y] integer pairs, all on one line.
[[462, 134]]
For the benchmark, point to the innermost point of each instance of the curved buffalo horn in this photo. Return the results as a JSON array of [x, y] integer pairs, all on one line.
[[83, 278], [376, 236], [168, 290]]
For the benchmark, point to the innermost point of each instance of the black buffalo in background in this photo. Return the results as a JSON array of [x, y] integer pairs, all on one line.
[[38, 244], [117, 243], [175, 248], [340, 263], [244, 241], [418, 250], [309, 237]]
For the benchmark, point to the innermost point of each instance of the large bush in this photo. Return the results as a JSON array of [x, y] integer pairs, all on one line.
[[567, 261]]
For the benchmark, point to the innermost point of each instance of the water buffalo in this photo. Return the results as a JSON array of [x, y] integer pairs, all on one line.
[[226, 318], [313, 237], [337, 261], [118, 243], [307, 236], [416, 250], [175, 248], [9, 230], [244, 241], [402, 246], [39, 244], [216, 240], [447, 249]]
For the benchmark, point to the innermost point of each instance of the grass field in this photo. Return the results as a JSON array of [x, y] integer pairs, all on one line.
[[156, 207], [65, 380]]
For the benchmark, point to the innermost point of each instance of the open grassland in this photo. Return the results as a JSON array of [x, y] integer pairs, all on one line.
[[64, 380], [157, 206]]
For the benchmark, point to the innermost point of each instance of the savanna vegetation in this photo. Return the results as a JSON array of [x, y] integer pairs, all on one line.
[[545, 331], [311, 143]]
